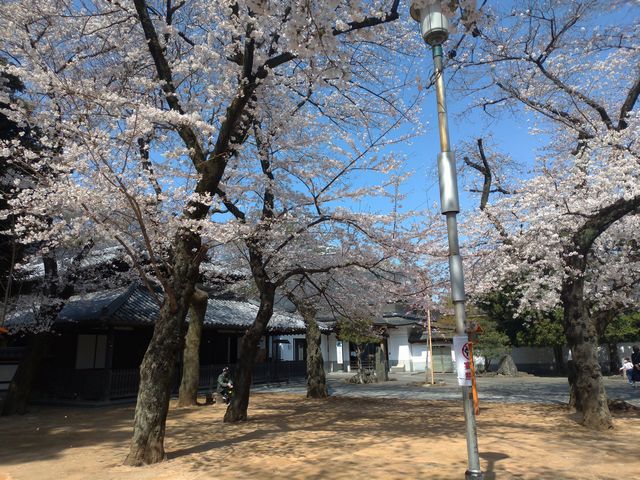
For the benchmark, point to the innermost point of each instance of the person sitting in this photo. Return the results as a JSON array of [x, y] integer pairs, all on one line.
[[224, 385], [627, 370]]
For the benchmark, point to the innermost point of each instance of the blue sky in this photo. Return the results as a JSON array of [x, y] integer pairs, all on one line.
[[508, 135]]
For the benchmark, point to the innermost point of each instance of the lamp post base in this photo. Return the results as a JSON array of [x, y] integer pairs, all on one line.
[[473, 475]]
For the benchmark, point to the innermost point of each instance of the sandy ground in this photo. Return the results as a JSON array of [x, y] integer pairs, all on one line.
[[288, 436]]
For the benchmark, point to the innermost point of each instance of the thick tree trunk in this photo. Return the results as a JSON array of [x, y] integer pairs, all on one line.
[[190, 382], [19, 391], [382, 372], [159, 362], [581, 333], [237, 409], [316, 378], [590, 397]]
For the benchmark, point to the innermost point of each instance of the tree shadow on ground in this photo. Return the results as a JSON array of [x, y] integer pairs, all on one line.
[[46, 431], [286, 429], [289, 436]]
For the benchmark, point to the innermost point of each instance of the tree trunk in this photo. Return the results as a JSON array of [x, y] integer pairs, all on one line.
[[382, 372], [237, 409], [19, 391], [559, 359], [581, 333], [614, 359], [159, 362], [190, 382], [487, 364], [360, 373], [572, 375], [316, 379], [601, 319], [590, 397]]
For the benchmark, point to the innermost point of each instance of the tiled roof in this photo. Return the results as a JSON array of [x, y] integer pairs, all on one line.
[[138, 308], [418, 334], [79, 308], [241, 314], [91, 306], [135, 306]]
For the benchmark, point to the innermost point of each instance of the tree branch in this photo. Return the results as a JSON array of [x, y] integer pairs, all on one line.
[[628, 104], [485, 170], [163, 70], [602, 220], [604, 116], [372, 21]]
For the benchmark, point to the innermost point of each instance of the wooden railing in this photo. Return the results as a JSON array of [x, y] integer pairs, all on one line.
[[103, 384]]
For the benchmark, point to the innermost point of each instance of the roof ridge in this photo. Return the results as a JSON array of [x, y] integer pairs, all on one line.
[[118, 302]]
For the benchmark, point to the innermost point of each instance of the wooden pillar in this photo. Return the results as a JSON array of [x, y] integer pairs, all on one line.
[[108, 365]]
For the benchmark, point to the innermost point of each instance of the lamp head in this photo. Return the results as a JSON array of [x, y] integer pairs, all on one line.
[[434, 24]]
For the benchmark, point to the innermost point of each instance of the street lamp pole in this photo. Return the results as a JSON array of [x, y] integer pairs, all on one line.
[[435, 31]]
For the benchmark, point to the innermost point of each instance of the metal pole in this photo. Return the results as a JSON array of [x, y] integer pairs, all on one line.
[[450, 208], [430, 346]]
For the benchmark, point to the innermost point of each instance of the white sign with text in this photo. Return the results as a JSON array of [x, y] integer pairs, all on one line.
[[461, 354]]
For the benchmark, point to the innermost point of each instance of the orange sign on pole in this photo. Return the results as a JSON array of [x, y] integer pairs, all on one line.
[[474, 389]]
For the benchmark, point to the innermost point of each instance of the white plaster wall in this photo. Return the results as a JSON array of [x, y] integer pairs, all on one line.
[[324, 347], [478, 362], [345, 355], [332, 351], [286, 349], [339, 349], [329, 345], [399, 350], [418, 357]]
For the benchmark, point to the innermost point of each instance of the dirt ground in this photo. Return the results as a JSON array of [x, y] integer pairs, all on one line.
[[288, 436]]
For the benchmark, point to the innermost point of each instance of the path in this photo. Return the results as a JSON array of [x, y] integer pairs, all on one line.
[[408, 386]]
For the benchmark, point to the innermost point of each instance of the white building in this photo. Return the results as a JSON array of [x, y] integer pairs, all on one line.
[[405, 344]]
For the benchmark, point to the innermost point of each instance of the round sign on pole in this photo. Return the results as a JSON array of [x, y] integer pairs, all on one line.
[[462, 358]]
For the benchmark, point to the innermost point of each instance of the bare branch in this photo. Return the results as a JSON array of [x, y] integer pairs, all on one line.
[[390, 16]]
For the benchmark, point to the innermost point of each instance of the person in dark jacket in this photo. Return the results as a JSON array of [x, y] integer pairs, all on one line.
[[635, 359], [225, 385]]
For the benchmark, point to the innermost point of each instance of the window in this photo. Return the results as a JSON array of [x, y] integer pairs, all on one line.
[[91, 351], [300, 349]]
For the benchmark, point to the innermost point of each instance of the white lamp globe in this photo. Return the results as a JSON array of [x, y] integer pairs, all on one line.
[[433, 23]]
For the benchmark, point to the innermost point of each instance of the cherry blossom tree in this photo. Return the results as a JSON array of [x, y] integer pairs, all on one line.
[[299, 224], [563, 235], [155, 103], [46, 276], [11, 134]]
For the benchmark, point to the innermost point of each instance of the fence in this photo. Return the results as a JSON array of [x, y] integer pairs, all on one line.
[[103, 384]]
